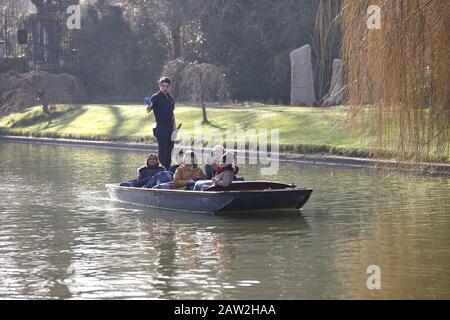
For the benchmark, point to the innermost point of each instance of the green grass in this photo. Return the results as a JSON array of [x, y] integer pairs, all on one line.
[[304, 130]]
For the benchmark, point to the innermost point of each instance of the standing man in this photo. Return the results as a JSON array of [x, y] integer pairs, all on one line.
[[162, 105]]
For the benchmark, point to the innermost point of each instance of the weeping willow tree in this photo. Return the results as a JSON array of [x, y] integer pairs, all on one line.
[[327, 40], [397, 76]]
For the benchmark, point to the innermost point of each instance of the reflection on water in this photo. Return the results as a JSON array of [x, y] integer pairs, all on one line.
[[61, 236]]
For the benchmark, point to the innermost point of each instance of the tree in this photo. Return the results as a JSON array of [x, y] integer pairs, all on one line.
[[176, 19], [149, 56], [327, 42], [105, 44], [20, 6], [252, 39], [397, 76], [41, 97], [119, 55], [204, 82]]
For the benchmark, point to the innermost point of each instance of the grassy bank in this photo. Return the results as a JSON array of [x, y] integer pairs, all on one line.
[[301, 130]]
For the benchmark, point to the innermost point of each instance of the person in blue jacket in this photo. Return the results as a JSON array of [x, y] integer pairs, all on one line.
[[146, 173], [162, 104]]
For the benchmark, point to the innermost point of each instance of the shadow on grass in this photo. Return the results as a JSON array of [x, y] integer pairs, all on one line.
[[117, 132], [118, 121], [214, 125], [38, 116], [69, 116]]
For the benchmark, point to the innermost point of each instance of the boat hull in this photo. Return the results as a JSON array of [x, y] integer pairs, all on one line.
[[212, 201]]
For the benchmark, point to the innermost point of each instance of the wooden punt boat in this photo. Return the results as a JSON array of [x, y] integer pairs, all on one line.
[[240, 196]]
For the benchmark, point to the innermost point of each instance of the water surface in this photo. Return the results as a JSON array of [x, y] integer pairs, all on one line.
[[61, 236]]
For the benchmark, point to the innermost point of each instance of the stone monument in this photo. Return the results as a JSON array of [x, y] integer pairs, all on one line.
[[302, 81]]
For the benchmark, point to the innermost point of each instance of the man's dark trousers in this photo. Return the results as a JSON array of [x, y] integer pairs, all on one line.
[[165, 147]]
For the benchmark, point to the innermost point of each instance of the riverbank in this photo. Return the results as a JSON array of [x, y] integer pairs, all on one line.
[[301, 130], [323, 160], [318, 133]]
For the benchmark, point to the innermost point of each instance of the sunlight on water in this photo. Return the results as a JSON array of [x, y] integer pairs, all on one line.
[[61, 236]]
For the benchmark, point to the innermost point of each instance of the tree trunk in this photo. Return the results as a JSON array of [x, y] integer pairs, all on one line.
[[202, 100], [45, 108], [176, 42], [42, 98], [205, 118]]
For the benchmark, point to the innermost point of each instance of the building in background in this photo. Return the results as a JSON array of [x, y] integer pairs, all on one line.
[[36, 31]]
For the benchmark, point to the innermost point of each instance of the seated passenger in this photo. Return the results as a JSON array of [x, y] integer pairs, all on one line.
[[179, 161], [225, 174], [188, 172], [214, 162], [146, 173], [213, 159]]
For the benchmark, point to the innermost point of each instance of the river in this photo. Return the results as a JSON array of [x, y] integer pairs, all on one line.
[[61, 237]]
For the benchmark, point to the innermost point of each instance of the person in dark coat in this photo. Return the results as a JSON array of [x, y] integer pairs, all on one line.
[[162, 104], [146, 173]]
